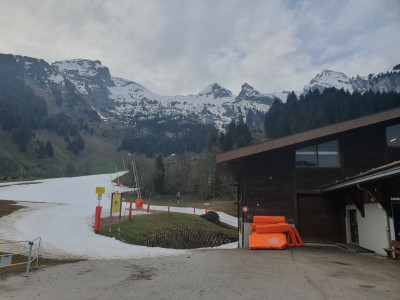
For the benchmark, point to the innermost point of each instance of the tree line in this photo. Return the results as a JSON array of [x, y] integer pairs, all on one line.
[[317, 109]]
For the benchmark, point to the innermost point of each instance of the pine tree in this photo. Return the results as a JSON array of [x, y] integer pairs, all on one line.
[[159, 178], [49, 148], [41, 151]]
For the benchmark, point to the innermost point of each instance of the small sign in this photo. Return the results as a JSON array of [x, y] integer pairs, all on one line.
[[116, 202], [245, 209], [100, 190]]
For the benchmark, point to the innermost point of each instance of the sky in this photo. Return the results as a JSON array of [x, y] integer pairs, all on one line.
[[180, 46]]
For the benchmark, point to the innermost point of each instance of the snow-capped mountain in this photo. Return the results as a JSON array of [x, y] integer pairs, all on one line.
[[121, 100], [82, 82], [382, 82]]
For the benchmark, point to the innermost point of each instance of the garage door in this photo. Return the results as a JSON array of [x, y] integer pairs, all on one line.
[[320, 219]]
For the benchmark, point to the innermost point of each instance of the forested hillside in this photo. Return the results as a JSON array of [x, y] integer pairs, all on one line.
[[317, 109], [167, 136]]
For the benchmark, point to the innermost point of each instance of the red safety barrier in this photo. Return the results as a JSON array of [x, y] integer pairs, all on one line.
[[97, 219]]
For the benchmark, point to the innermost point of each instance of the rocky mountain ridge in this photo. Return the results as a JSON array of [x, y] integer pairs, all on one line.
[[382, 82], [82, 82]]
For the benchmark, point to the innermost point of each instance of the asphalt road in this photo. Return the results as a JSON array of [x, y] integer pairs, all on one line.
[[310, 272]]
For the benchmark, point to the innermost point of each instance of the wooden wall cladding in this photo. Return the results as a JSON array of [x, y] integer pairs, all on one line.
[[269, 184], [363, 150], [320, 219]]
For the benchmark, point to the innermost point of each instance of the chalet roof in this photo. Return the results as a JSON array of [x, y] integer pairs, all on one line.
[[308, 135], [380, 173]]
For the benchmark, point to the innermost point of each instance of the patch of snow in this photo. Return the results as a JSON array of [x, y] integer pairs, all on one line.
[[100, 115], [61, 212], [56, 78]]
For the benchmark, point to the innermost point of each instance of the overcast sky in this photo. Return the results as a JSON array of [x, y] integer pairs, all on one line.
[[180, 46]]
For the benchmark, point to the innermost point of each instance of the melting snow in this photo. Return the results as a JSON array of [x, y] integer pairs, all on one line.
[[61, 211]]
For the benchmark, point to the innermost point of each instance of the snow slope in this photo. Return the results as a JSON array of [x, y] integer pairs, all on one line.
[[63, 216]]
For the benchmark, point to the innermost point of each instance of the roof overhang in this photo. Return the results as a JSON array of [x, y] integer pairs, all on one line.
[[370, 176]]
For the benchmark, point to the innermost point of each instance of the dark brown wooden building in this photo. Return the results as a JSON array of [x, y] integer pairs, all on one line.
[[298, 177]]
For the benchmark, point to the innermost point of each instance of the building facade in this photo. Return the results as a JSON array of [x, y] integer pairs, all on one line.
[[309, 179]]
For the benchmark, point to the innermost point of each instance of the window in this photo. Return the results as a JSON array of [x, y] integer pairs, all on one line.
[[307, 156], [321, 155], [393, 135]]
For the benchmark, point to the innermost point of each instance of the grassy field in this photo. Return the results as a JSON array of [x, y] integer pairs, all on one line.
[[138, 229], [225, 205]]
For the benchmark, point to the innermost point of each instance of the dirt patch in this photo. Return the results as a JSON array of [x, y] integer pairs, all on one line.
[[21, 269], [25, 183], [7, 207]]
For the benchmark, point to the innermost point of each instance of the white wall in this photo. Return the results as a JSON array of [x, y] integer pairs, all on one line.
[[247, 232], [371, 229]]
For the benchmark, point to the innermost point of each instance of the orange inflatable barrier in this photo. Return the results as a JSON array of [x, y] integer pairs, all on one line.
[[273, 228], [291, 238], [268, 219], [299, 242], [267, 241], [139, 203]]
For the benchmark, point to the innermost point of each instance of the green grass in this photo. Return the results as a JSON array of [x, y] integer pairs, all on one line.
[[226, 205], [138, 229], [99, 156]]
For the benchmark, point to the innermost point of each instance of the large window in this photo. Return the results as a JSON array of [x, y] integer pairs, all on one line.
[[393, 135], [321, 155]]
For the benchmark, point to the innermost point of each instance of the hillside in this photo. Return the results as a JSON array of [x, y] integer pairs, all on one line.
[[73, 117]]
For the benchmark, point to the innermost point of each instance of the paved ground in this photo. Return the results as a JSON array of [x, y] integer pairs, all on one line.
[[310, 272]]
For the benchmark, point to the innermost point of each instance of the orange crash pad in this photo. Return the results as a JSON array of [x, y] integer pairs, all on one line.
[[267, 241], [271, 228], [268, 219]]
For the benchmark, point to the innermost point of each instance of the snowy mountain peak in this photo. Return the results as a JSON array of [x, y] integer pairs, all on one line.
[[383, 82], [329, 78], [248, 93], [89, 77], [216, 91], [82, 67]]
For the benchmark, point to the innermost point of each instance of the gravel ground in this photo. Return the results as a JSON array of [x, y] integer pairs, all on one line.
[[310, 272]]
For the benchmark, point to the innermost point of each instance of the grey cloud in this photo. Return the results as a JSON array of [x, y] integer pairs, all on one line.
[[178, 47]]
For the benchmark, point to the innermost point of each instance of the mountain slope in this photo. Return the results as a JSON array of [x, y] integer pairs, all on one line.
[[382, 82]]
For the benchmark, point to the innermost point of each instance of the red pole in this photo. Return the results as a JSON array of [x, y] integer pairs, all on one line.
[[97, 219], [206, 209], [130, 210], [148, 206]]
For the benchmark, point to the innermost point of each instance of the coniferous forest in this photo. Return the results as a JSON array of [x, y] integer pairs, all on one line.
[[317, 109]]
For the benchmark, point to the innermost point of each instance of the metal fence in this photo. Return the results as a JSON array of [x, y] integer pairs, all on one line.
[[28, 249]]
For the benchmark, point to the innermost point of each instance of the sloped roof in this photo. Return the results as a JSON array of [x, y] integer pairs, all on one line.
[[308, 135], [380, 173]]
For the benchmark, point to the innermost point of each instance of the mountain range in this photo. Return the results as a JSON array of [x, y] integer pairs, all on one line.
[[82, 82]]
